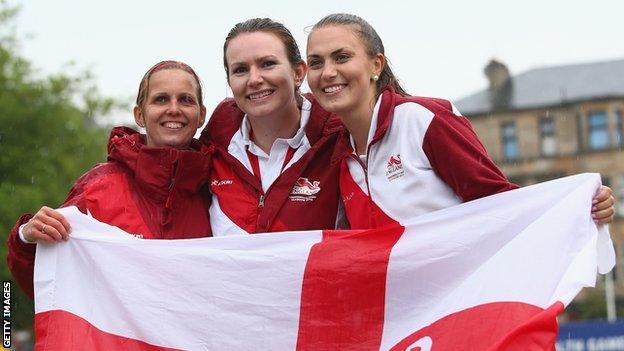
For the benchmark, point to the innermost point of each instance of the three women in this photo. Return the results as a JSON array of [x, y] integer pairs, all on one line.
[[280, 159]]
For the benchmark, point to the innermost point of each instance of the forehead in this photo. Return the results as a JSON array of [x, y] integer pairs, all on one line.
[[250, 46], [172, 78], [327, 39]]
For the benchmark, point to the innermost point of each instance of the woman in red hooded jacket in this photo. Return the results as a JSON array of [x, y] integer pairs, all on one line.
[[153, 186]]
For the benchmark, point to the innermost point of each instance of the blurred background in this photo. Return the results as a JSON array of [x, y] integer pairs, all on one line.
[[542, 83]]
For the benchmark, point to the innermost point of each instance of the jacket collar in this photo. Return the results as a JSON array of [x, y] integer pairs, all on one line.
[[159, 171], [383, 115], [227, 119]]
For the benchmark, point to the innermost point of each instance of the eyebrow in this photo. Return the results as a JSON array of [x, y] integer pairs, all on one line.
[[262, 58], [332, 53]]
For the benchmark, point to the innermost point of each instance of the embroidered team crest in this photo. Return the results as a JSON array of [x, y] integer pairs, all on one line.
[[304, 190], [394, 168]]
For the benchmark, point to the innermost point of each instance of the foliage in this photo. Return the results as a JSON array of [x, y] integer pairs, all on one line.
[[48, 138]]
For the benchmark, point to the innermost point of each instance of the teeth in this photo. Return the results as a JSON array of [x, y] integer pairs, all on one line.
[[261, 94], [333, 88], [173, 125]]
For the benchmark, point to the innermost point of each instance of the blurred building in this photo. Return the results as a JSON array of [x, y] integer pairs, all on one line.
[[556, 121]]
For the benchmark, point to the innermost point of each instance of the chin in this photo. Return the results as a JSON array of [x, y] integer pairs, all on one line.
[[262, 111], [333, 106]]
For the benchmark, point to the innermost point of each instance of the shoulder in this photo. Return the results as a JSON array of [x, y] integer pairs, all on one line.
[[427, 111], [101, 172], [437, 106], [103, 178]]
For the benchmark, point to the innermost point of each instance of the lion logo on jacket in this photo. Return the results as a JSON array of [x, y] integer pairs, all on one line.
[[394, 168], [305, 190]]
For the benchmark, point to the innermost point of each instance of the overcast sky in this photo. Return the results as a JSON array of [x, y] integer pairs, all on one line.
[[437, 48]]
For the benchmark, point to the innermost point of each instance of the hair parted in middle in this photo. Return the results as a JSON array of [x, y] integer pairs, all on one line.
[[372, 43], [269, 26], [162, 65]]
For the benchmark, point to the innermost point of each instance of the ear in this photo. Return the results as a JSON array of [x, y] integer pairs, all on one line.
[[202, 116], [138, 116], [379, 62], [300, 71]]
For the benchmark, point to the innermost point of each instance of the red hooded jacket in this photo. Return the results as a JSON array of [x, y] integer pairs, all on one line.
[[153, 193]]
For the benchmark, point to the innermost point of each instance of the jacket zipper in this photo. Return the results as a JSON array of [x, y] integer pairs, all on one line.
[[365, 169]]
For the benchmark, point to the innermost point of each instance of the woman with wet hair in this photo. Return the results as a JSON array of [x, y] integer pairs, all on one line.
[[272, 167], [153, 186], [406, 155]]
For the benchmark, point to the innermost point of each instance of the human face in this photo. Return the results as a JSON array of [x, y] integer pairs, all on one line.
[[340, 71], [262, 79], [171, 112]]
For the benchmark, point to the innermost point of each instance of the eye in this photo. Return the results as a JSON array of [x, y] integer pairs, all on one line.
[[269, 63], [239, 70], [159, 99], [187, 100], [342, 57], [314, 63]]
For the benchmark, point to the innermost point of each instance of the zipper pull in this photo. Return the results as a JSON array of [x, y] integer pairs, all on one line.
[[261, 202]]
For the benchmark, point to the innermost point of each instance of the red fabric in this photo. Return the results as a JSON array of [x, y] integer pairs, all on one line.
[[239, 191], [360, 209], [345, 280], [458, 156], [497, 326], [62, 330], [154, 193], [453, 149]]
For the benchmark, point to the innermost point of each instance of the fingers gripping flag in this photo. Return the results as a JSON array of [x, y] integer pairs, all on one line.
[[491, 274]]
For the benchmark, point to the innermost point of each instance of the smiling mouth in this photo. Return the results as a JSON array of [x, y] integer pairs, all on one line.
[[334, 88], [173, 125], [260, 95]]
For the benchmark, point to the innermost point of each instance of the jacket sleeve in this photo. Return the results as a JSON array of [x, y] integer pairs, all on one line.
[[459, 158], [21, 255]]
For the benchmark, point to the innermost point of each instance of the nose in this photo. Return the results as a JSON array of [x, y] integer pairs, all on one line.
[[174, 107], [329, 71], [255, 77]]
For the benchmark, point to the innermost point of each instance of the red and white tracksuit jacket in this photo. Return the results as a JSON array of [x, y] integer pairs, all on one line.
[[304, 196], [153, 193], [422, 156]]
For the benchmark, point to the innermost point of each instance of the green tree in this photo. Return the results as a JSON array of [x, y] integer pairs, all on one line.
[[48, 138]]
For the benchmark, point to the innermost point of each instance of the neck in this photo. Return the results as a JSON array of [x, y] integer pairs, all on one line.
[[266, 129], [358, 124]]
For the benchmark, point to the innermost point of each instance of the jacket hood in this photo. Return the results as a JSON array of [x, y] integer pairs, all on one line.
[[159, 170]]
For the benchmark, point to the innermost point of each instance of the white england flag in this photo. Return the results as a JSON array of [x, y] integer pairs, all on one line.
[[491, 274]]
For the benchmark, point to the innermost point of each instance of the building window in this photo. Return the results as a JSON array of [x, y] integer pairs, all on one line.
[[598, 130], [510, 141], [547, 136], [618, 128]]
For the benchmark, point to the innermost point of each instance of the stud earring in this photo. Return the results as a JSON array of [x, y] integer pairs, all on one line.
[[375, 78]]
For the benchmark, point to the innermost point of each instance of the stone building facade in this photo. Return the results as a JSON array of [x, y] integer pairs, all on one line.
[[551, 122]]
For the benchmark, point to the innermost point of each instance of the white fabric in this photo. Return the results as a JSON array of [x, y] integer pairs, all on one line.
[[220, 224], [405, 137], [20, 231], [535, 245], [271, 164]]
